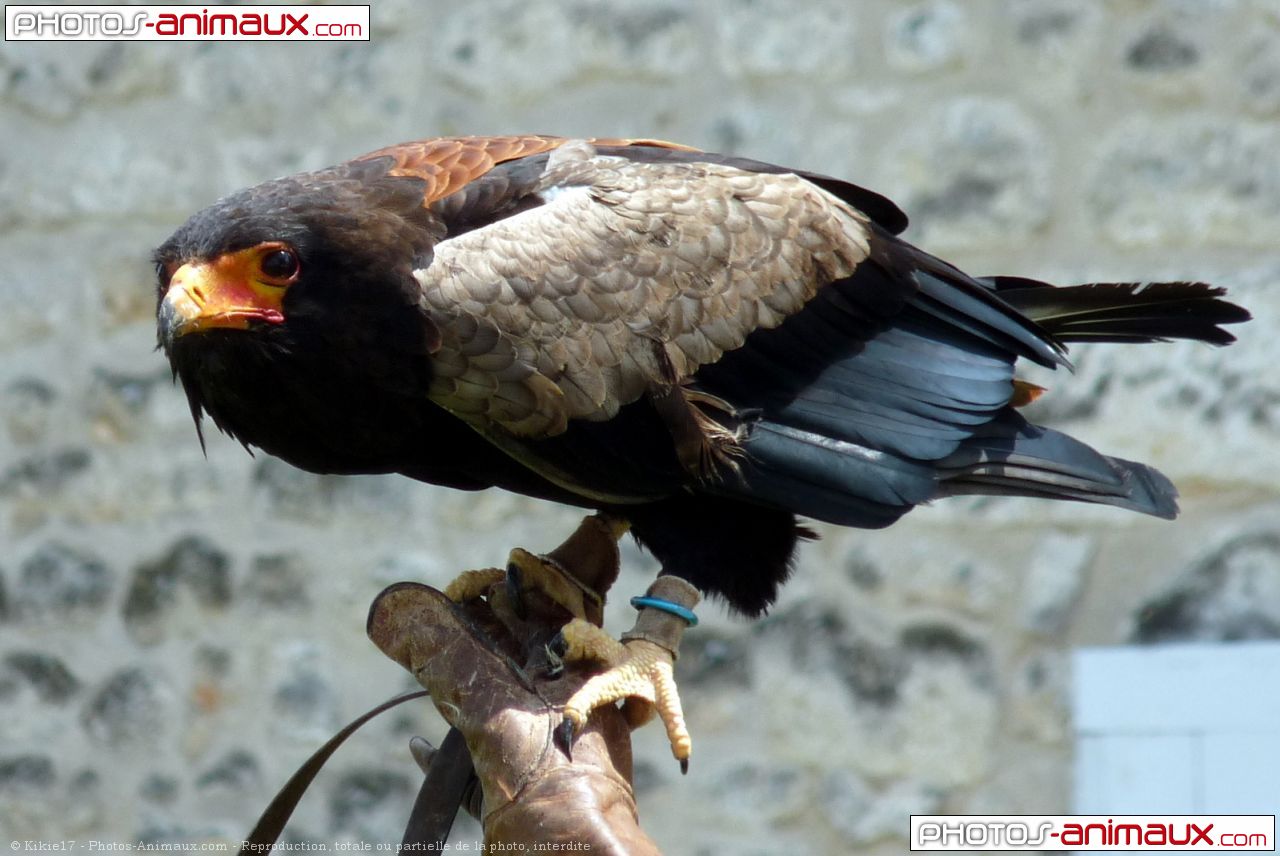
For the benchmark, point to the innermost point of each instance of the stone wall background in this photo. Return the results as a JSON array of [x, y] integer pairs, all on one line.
[[177, 633]]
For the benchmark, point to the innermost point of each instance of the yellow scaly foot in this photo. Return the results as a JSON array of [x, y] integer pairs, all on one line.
[[639, 670]]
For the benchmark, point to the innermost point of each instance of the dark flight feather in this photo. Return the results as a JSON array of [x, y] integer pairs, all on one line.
[[1125, 311]]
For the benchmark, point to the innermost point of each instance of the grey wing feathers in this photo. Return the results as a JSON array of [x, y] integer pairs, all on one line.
[[627, 273]]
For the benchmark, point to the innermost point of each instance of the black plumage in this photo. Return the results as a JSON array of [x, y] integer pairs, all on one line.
[[864, 378]]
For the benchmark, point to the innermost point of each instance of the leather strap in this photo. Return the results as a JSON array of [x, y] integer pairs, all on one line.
[[271, 824]]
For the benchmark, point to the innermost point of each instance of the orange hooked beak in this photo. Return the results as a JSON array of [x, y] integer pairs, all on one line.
[[229, 292]]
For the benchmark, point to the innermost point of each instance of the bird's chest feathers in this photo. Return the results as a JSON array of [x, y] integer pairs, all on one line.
[[303, 397]]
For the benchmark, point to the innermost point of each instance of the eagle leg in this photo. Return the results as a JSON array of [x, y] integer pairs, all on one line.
[[703, 446], [638, 670], [570, 581]]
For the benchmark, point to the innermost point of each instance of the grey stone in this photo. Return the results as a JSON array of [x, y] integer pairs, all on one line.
[[633, 26], [846, 799], [760, 38], [305, 696], [118, 403], [974, 172], [1232, 594], [926, 36], [1162, 49], [277, 581], [42, 86], [362, 801], [302, 696], [1037, 698], [946, 723], [193, 564], [709, 660], [52, 681], [1054, 49], [56, 85], [655, 40], [872, 672], [159, 788], [1040, 23], [237, 770], [289, 492], [10, 686], [921, 699], [863, 572], [85, 782], [749, 790], [874, 669], [44, 473], [1259, 76], [1054, 580], [935, 639], [1188, 179], [213, 663], [920, 704], [27, 405], [58, 579], [26, 773], [129, 707], [870, 669], [645, 776]]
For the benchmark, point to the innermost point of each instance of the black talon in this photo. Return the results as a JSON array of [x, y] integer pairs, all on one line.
[[559, 645], [555, 661], [564, 737], [515, 590], [684, 766]]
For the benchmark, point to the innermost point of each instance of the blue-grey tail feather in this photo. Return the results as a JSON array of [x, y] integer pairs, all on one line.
[[851, 485], [827, 479], [1012, 457]]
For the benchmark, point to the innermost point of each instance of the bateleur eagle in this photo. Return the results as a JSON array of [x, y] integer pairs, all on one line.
[[704, 346]]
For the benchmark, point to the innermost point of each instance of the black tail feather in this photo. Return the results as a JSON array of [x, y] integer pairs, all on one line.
[[1124, 311]]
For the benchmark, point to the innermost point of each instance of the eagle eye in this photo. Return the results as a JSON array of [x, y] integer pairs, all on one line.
[[281, 265]]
